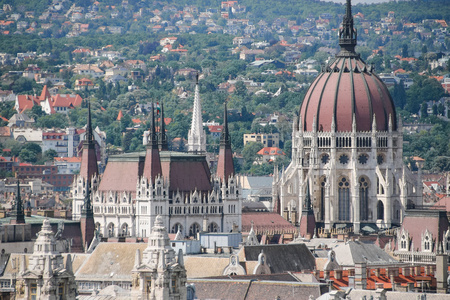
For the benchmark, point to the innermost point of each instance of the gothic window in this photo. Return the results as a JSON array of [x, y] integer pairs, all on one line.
[[344, 199], [125, 229], [177, 227], [193, 229], [380, 159], [447, 244], [404, 242], [343, 159], [213, 227], [427, 243], [325, 158], [380, 210], [364, 198], [322, 199], [397, 210], [111, 229], [362, 159]]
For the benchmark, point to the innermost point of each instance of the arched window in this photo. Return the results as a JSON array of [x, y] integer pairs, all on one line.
[[213, 227], [380, 210], [193, 229], [111, 229], [364, 199], [397, 210], [176, 227], [322, 199], [344, 199], [124, 229]]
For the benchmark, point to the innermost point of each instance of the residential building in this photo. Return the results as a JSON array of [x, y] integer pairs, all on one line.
[[269, 154], [267, 139]]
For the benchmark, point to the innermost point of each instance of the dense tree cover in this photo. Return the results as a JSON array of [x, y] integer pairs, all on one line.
[[433, 146]]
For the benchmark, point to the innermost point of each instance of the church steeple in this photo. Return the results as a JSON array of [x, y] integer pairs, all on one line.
[[18, 215], [225, 167], [347, 34], [87, 211], [196, 135], [152, 165], [89, 157], [163, 146]]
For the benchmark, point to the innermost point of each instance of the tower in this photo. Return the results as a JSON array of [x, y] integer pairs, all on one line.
[[196, 135], [162, 142], [88, 176], [225, 167], [17, 214], [46, 276], [160, 274], [152, 166], [347, 147]]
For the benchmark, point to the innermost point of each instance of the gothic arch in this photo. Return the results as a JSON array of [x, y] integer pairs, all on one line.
[[111, 228], [213, 227], [176, 227], [193, 229], [344, 198], [322, 186], [380, 210], [124, 230], [364, 185]]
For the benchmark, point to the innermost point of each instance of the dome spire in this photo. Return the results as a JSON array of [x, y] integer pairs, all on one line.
[[347, 34]]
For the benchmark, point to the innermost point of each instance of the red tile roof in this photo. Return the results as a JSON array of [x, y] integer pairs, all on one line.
[[267, 221]]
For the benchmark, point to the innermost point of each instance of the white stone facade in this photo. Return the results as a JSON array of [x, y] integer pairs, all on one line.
[[355, 177], [127, 214]]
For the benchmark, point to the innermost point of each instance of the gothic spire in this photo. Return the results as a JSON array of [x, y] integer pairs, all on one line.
[[89, 135], [163, 146], [196, 135], [347, 34], [152, 165], [152, 138], [18, 215], [225, 167], [88, 157], [87, 211], [307, 202]]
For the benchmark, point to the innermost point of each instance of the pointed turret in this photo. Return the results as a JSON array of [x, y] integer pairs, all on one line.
[[18, 215], [180, 259], [137, 259], [196, 135], [162, 143], [87, 223], [347, 34], [225, 167], [69, 266], [152, 165], [307, 220], [88, 157]]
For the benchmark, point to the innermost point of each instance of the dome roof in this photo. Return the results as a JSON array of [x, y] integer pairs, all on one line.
[[347, 88]]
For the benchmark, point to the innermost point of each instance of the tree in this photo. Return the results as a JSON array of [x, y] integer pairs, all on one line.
[[249, 153], [424, 110], [50, 154], [36, 112], [27, 156]]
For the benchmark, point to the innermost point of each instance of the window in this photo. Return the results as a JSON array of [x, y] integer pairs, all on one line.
[[364, 199], [343, 159], [344, 199], [362, 159], [61, 290], [33, 291], [380, 210]]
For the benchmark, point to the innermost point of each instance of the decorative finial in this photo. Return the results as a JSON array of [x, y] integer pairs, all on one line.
[[347, 34]]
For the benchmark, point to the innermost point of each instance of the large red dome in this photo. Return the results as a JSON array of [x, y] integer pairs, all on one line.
[[347, 87]]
